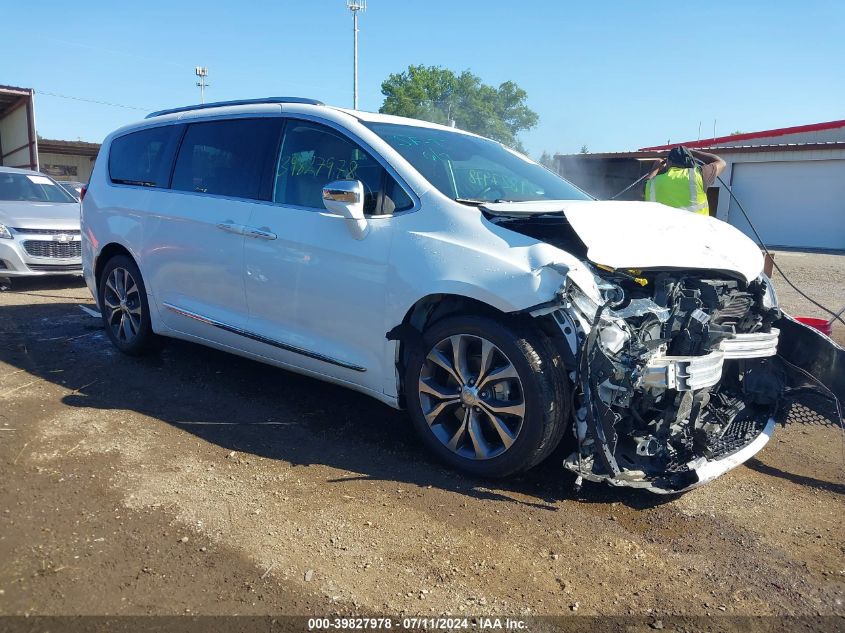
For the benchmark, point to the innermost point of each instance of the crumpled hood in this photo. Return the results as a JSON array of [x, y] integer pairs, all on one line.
[[651, 235], [40, 215]]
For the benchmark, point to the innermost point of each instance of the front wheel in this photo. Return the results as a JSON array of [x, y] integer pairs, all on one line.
[[488, 398]]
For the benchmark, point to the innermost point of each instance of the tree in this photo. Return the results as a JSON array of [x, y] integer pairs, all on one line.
[[437, 94], [585, 149], [547, 160]]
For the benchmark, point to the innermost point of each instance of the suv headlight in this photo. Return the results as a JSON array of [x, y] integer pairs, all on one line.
[[770, 297], [4, 232]]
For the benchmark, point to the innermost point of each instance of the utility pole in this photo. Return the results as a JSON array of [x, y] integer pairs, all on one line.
[[202, 73], [355, 6]]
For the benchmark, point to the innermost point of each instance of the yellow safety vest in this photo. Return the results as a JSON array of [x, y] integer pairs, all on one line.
[[679, 187]]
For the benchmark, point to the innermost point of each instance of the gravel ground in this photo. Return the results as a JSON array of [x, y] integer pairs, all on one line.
[[196, 482], [821, 276]]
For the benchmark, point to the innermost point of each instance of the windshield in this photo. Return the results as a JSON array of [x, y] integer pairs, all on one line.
[[472, 169], [72, 188], [31, 188]]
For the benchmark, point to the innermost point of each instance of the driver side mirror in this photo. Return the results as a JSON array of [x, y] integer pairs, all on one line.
[[346, 199]]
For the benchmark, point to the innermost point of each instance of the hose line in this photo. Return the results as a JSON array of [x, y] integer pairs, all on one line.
[[778, 268]]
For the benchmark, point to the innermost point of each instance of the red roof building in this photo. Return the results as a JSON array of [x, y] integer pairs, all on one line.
[[790, 180]]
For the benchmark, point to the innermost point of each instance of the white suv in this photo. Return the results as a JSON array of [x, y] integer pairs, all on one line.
[[440, 271]]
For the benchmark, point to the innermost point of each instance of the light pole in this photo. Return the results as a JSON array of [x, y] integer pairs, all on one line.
[[355, 6], [202, 73]]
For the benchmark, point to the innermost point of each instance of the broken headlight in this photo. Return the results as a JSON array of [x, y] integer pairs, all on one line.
[[612, 333], [612, 294]]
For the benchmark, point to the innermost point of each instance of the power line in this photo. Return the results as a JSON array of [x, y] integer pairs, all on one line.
[[114, 52], [105, 103]]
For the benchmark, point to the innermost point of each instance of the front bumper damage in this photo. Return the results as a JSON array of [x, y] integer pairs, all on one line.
[[689, 373], [649, 417]]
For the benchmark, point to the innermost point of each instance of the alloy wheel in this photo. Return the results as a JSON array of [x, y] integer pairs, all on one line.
[[471, 396], [122, 299]]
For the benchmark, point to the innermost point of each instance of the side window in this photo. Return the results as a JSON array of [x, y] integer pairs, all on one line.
[[145, 157], [395, 199], [314, 155], [228, 158]]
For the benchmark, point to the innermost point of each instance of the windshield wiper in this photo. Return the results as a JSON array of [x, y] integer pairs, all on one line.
[[497, 201]]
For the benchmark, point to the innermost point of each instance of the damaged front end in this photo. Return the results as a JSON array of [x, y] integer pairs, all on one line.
[[676, 376]]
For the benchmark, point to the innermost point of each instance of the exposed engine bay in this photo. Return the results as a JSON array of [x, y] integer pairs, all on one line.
[[676, 372]]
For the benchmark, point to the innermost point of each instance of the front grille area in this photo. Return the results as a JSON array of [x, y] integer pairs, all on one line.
[[736, 307], [55, 268], [739, 433], [57, 250], [45, 231]]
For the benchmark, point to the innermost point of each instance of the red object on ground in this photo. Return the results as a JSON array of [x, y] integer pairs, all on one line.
[[823, 326]]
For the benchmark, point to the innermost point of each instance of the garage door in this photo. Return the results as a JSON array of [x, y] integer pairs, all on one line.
[[792, 203]]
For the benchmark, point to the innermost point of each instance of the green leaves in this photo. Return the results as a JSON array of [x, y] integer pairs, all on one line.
[[437, 94]]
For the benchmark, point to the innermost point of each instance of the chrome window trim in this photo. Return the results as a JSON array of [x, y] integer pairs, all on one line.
[[262, 339]]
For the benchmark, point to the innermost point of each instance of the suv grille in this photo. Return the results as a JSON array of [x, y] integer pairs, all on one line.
[[63, 250], [46, 231]]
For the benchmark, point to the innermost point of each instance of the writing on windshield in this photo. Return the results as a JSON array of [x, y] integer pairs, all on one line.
[[467, 167]]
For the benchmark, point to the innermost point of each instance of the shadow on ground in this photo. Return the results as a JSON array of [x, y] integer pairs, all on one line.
[[802, 480], [245, 406], [248, 407], [35, 286]]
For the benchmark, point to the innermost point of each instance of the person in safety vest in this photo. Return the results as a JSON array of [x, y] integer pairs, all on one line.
[[678, 182]]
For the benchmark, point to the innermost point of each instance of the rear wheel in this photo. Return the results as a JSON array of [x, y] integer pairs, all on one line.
[[124, 306], [488, 398]]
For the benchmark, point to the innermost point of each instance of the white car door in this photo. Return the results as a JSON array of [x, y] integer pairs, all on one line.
[[316, 294], [195, 233]]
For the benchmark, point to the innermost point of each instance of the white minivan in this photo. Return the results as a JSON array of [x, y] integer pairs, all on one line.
[[441, 272]]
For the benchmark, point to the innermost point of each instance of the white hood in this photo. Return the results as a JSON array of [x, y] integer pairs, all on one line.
[[651, 235], [648, 235]]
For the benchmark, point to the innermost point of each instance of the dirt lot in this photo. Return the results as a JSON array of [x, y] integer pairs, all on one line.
[[197, 482]]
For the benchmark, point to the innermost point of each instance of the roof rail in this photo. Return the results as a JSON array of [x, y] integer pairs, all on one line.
[[219, 104]]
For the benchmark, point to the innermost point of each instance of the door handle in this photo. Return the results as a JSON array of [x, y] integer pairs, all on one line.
[[262, 234], [231, 227]]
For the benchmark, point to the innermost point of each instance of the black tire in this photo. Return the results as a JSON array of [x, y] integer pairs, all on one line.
[[135, 337], [543, 384]]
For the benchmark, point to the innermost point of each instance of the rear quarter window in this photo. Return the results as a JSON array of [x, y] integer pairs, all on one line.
[[144, 157]]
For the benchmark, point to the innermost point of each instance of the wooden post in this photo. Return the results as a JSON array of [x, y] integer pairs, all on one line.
[[769, 264]]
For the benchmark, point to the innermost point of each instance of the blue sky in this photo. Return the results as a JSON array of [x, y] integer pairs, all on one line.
[[609, 75]]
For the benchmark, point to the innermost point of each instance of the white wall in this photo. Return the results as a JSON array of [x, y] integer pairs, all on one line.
[[784, 175], [63, 166], [14, 132]]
